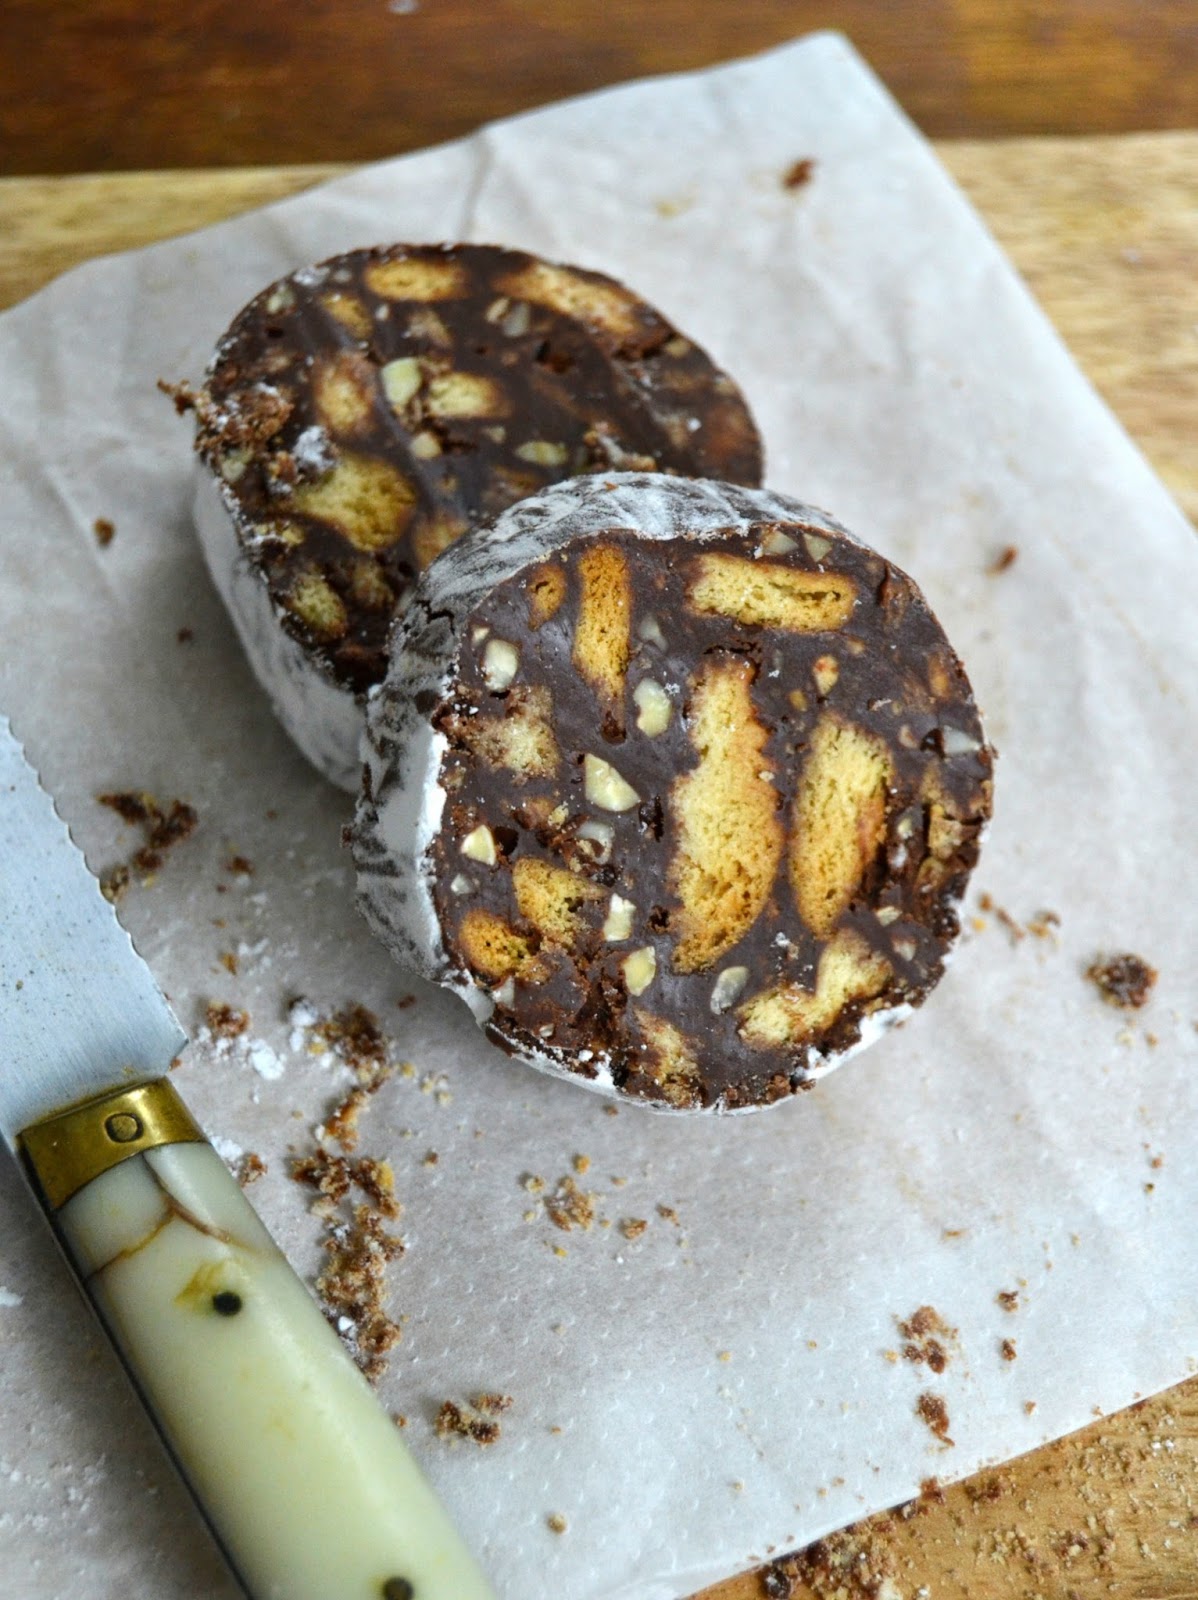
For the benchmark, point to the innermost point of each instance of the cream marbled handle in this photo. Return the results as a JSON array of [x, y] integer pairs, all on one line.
[[301, 1475]]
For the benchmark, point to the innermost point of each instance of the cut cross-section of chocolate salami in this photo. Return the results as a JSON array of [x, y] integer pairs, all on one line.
[[361, 415], [678, 784]]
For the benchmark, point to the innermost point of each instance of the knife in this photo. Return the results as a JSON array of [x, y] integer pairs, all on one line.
[[299, 1473]]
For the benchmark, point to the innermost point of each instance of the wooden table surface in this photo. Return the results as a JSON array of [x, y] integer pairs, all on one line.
[[110, 85], [1106, 232]]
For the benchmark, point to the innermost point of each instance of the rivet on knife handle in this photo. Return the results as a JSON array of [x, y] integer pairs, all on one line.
[[302, 1476]]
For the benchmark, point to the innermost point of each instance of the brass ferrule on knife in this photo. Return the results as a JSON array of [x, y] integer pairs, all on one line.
[[66, 1151]]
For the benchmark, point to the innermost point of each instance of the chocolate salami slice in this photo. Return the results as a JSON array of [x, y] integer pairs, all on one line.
[[678, 784], [359, 416]]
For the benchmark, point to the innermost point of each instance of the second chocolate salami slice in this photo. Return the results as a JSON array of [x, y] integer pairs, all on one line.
[[361, 415]]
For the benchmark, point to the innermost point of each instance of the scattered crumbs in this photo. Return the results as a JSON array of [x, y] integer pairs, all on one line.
[[556, 1522], [454, 1421], [533, 1183], [890, 1355], [560, 1251], [738, 1486], [618, 1183], [9, 1299], [925, 1330], [633, 1227], [556, 1428], [405, 1001], [351, 1285], [724, 1355], [669, 1214], [185, 636], [986, 903], [569, 1206], [1008, 1299], [399, 1419], [798, 173], [248, 1168], [1044, 925], [614, 1111], [674, 207], [1125, 981], [813, 1344], [1005, 558], [931, 1409], [105, 531], [1007, 1350], [240, 866], [225, 1021], [1151, 1040], [1029, 1406], [162, 829], [854, 1564], [582, 1164], [228, 960], [430, 1159], [953, 1233]]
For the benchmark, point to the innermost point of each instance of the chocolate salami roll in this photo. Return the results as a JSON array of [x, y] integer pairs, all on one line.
[[359, 416], [677, 784]]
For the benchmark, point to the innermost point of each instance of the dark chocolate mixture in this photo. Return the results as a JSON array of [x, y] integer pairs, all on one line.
[[366, 412], [894, 676]]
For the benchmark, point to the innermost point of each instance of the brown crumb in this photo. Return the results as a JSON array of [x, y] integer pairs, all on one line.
[[228, 960], [582, 1164], [556, 1522], [113, 882], [185, 636], [925, 1331], [354, 1034], [1044, 925], [1007, 1350], [493, 1404], [931, 1490], [161, 831], [249, 1168], [240, 866], [931, 1409], [1125, 981], [798, 173], [854, 1564], [404, 1001], [1005, 558], [460, 1422], [430, 1159], [669, 1214], [569, 1206], [633, 1227], [105, 531], [614, 1111], [352, 1284], [224, 1021], [1029, 1406], [1008, 1299]]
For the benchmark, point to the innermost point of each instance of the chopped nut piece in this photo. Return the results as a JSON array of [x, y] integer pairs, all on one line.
[[602, 835], [501, 662], [777, 543], [618, 924], [649, 629], [605, 787], [728, 988], [817, 545], [640, 968], [479, 845], [654, 706], [401, 381], [543, 453]]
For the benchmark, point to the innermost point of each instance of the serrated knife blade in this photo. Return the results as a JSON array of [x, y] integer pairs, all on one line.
[[297, 1469], [79, 1010]]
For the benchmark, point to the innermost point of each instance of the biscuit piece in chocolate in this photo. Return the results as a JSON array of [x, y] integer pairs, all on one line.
[[678, 784], [359, 416]]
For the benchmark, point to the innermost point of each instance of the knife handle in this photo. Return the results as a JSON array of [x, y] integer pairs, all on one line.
[[300, 1474]]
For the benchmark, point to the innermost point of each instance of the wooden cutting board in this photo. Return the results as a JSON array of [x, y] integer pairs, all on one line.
[[1105, 231]]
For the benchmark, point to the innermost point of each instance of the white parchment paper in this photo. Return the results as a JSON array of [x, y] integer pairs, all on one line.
[[719, 1387]]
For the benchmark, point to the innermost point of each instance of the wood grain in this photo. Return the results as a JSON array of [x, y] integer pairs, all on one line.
[[1106, 232], [106, 85]]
